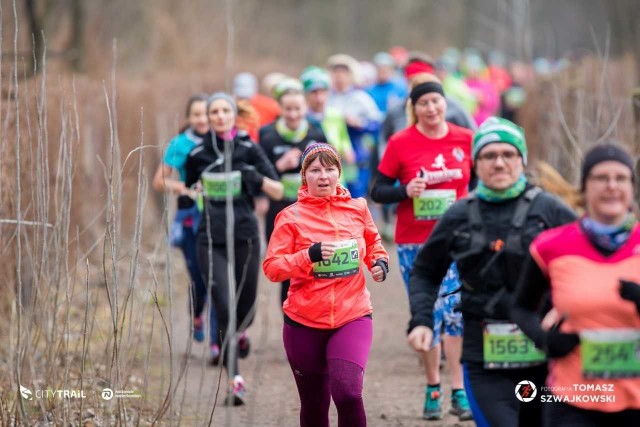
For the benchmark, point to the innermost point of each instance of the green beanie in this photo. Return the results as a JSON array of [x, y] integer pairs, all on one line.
[[496, 129], [314, 78]]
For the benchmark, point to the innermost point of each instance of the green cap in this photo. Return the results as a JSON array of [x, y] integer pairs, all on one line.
[[496, 129], [314, 78]]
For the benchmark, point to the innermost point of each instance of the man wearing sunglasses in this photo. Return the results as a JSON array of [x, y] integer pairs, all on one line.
[[488, 234]]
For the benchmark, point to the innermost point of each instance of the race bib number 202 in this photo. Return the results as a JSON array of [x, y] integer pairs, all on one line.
[[432, 204]]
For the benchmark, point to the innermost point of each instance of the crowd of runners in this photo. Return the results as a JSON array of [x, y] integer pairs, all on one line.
[[517, 286]]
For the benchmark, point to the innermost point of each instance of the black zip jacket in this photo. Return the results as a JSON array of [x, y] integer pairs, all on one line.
[[489, 296], [246, 157]]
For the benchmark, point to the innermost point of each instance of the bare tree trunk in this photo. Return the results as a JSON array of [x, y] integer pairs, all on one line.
[[76, 50], [36, 27]]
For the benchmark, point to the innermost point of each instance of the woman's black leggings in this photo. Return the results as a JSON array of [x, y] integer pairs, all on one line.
[[212, 260]]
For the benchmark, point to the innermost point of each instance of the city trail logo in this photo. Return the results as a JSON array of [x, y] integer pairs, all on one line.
[[526, 391], [26, 393]]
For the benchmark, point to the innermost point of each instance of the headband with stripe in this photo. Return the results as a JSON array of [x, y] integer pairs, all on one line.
[[317, 147]]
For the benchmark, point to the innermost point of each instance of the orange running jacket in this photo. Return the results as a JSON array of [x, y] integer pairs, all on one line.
[[324, 303]]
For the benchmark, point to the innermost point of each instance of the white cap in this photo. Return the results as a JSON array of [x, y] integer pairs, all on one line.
[[245, 86]]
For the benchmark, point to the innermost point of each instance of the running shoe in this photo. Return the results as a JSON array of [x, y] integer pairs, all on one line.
[[460, 405], [198, 329], [244, 345], [433, 404], [238, 397], [214, 352]]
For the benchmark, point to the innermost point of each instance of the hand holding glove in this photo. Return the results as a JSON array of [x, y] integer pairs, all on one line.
[[321, 251], [379, 270], [559, 344], [630, 291]]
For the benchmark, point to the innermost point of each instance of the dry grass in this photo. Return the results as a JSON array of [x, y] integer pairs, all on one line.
[[87, 280], [589, 102]]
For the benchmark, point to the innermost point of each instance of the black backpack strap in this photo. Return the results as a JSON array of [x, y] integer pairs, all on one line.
[[476, 226], [514, 239], [477, 237]]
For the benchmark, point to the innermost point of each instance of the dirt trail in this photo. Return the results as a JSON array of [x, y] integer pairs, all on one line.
[[394, 381]]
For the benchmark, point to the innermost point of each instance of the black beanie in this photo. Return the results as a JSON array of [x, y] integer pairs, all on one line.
[[602, 153]]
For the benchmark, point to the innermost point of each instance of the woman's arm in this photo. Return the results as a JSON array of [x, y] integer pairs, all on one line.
[[531, 287], [374, 251], [385, 191], [162, 181], [273, 189], [270, 185], [281, 262]]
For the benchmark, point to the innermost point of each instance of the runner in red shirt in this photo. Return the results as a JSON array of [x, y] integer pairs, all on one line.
[[432, 161], [442, 163]]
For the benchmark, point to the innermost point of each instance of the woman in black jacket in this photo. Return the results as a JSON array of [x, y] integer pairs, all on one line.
[[230, 168]]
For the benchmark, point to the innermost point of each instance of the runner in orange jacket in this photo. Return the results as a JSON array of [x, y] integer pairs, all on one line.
[[322, 244]]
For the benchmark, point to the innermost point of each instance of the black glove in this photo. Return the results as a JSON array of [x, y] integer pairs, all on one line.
[[315, 252], [251, 178], [630, 291], [385, 267], [559, 344]]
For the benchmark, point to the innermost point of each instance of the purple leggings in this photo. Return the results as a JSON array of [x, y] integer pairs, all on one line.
[[330, 363]]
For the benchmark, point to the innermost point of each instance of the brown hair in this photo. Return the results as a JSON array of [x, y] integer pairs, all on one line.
[[248, 117], [326, 159], [413, 82], [199, 97], [547, 177]]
